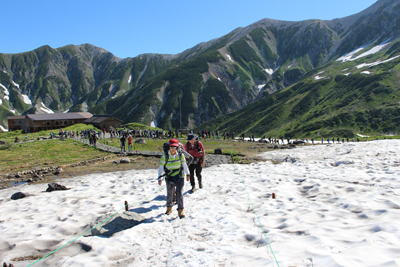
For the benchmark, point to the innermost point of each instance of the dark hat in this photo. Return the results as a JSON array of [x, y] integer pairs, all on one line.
[[173, 142], [191, 137]]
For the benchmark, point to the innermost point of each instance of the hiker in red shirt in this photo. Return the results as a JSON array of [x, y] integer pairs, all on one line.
[[130, 138], [196, 149]]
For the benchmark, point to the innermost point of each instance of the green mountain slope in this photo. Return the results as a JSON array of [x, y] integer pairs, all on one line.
[[212, 79], [346, 99]]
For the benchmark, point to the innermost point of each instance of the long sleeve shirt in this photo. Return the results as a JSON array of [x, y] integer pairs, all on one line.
[[171, 159]]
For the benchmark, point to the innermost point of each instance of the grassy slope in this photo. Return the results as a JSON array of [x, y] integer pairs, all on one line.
[[337, 104]]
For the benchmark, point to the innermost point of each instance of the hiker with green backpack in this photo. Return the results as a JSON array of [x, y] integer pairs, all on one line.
[[173, 164]]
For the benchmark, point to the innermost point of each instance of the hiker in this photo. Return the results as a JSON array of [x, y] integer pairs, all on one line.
[[130, 138], [196, 149], [122, 139], [173, 163], [94, 139]]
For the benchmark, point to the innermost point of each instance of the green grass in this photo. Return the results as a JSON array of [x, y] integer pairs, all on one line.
[[29, 155]]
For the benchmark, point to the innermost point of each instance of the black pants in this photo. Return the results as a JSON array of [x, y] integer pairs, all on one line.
[[198, 169]]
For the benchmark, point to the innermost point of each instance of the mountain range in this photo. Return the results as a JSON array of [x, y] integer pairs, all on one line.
[[312, 77]]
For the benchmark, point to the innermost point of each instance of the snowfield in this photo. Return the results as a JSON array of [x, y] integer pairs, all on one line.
[[336, 205]]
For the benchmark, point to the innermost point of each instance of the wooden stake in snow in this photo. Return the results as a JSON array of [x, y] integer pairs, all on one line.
[[126, 206]]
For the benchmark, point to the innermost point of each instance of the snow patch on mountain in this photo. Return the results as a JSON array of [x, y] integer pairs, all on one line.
[[269, 71], [130, 78], [133, 109], [260, 86], [1, 102], [318, 77], [45, 109], [375, 63], [26, 99], [229, 57], [365, 72], [6, 92], [374, 50], [153, 123], [15, 84]]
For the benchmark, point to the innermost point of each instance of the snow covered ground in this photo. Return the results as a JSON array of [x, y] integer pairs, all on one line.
[[335, 205]]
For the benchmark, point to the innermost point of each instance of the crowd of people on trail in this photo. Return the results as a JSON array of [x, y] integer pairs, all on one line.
[[160, 134], [174, 163], [215, 134]]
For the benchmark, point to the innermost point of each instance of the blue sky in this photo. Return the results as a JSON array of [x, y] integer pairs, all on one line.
[[130, 28]]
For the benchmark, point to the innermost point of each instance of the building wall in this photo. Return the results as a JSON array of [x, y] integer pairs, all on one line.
[[37, 126], [16, 124]]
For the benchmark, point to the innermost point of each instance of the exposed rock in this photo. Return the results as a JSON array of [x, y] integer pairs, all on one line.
[[55, 187], [58, 171], [117, 223], [125, 160], [298, 142], [140, 141], [218, 151], [18, 195]]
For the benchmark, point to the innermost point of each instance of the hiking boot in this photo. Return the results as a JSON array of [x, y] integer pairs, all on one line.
[[169, 210], [180, 214], [200, 185], [193, 189]]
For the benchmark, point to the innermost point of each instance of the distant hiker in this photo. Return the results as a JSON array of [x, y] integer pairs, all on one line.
[[130, 138], [196, 149], [122, 140], [173, 163], [94, 139]]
